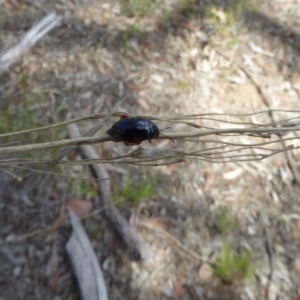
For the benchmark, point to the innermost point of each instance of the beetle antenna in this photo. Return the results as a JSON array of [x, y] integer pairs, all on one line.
[[165, 128]]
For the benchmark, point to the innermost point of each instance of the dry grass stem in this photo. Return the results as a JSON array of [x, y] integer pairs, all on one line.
[[211, 150]]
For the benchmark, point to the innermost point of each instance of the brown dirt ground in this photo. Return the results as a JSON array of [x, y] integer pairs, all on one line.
[[170, 65]]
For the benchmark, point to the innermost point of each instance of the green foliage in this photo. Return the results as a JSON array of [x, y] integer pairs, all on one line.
[[231, 267], [187, 8], [296, 44], [187, 228], [224, 220], [234, 11], [84, 188], [138, 8], [128, 33], [93, 228], [21, 108], [183, 84], [134, 192], [225, 20], [23, 118], [16, 121], [2, 15]]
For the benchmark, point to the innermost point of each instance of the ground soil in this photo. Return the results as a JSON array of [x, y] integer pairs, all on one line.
[[173, 62]]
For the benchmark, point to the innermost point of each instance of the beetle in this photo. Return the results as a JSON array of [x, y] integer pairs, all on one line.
[[133, 130]]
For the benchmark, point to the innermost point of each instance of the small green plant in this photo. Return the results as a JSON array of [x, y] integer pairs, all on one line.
[[284, 221], [128, 33], [231, 267], [234, 11], [93, 228], [296, 44], [138, 8], [134, 192], [236, 8], [183, 84], [2, 16], [224, 220], [85, 188], [187, 227], [187, 8], [225, 20]]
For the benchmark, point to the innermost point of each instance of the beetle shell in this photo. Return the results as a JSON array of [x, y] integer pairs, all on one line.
[[133, 130]]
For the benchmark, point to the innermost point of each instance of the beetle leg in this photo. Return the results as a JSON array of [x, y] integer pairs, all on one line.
[[149, 140], [124, 117], [132, 143]]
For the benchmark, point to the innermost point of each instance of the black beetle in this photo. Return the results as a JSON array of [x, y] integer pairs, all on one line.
[[133, 130]]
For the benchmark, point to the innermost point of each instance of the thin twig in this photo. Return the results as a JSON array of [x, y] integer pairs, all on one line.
[[269, 249], [181, 119], [64, 152], [18, 178], [173, 135]]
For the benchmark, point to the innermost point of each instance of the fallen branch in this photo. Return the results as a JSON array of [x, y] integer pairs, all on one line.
[[85, 263], [36, 32]]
